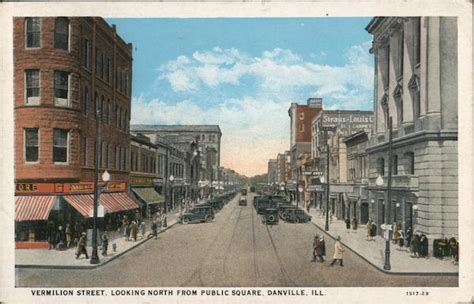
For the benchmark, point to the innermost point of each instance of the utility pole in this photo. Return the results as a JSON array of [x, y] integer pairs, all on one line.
[[328, 154], [386, 265]]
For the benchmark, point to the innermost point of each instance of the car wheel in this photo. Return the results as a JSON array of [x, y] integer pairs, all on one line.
[[185, 220], [271, 218]]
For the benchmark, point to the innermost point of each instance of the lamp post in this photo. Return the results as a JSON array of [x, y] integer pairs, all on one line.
[[171, 190], [94, 255], [379, 182], [326, 226]]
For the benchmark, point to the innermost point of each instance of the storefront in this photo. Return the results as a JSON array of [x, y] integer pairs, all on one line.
[[40, 208], [144, 189]]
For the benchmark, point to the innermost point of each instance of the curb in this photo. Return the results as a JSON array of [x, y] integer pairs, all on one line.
[[386, 271], [32, 266]]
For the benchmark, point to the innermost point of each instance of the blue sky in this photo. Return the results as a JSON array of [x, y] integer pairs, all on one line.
[[242, 73]]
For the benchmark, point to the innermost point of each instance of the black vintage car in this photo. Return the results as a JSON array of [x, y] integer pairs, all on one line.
[[198, 214], [282, 210], [263, 202], [296, 215], [270, 217]]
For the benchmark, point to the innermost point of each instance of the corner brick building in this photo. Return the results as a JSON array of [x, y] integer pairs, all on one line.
[[65, 69]]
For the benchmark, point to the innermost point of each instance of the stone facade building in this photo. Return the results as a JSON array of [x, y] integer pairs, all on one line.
[[272, 173], [416, 85], [68, 73]]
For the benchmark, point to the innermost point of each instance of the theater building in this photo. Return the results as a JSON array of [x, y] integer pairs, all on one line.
[[69, 72], [416, 86]]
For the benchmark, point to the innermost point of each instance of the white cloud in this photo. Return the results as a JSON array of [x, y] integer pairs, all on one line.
[[256, 127]]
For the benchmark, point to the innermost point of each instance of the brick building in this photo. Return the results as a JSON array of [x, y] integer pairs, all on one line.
[[65, 69]]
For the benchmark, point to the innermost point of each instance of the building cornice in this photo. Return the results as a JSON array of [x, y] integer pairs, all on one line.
[[415, 138]]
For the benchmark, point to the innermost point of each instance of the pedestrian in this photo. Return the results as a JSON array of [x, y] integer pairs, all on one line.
[[105, 244], [154, 230], [396, 233], [369, 230], [68, 235], [408, 237], [454, 249], [415, 246], [77, 233], [373, 231], [348, 223], [320, 249], [134, 231], [401, 240], [164, 220], [338, 250], [142, 229], [424, 246], [125, 225], [354, 224], [60, 238], [330, 216], [81, 246], [315, 245], [51, 235]]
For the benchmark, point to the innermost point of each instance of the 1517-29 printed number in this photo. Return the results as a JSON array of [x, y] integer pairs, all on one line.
[[417, 293]]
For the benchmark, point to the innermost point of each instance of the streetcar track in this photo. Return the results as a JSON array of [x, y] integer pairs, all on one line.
[[224, 268], [198, 271], [283, 271], [254, 245]]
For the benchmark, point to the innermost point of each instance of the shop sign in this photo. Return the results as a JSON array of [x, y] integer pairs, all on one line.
[[141, 181], [116, 186], [75, 187], [29, 188]]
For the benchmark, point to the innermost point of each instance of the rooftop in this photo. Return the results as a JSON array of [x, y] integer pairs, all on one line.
[[177, 128]]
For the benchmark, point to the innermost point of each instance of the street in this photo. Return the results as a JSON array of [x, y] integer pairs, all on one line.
[[234, 250]]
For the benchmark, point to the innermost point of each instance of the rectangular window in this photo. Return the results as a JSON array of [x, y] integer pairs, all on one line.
[[85, 101], [86, 53], [60, 146], [411, 163], [31, 145], [33, 32], [395, 165], [302, 128], [84, 151], [61, 88], [382, 167], [61, 34], [32, 87]]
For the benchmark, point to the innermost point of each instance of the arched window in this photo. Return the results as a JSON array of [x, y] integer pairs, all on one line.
[[61, 34], [33, 32]]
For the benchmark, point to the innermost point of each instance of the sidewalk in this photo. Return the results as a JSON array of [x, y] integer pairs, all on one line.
[[374, 251], [54, 259]]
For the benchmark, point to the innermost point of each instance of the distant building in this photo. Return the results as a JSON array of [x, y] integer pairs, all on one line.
[[301, 117], [417, 85], [203, 169], [357, 203], [272, 172], [331, 127]]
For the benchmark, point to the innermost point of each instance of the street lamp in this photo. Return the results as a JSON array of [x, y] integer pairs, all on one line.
[[379, 182], [171, 178], [326, 226]]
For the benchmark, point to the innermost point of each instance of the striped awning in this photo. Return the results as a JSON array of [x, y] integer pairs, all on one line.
[[83, 203], [112, 202], [33, 208], [115, 202]]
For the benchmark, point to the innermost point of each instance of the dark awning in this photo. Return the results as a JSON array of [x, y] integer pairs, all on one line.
[[149, 195]]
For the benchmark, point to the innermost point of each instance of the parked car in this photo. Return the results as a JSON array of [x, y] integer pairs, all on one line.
[[198, 214], [282, 210], [242, 201], [270, 217], [296, 215]]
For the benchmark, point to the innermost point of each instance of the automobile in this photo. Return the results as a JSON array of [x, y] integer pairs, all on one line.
[[198, 214], [242, 201], [261, 203], [270, 217], [296, 215], [282, 209]]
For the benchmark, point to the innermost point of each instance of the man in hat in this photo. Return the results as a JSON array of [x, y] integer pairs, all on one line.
[[81, 246], [338, 250]]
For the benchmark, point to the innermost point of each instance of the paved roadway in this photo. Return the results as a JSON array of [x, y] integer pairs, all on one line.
[[234, 250]]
